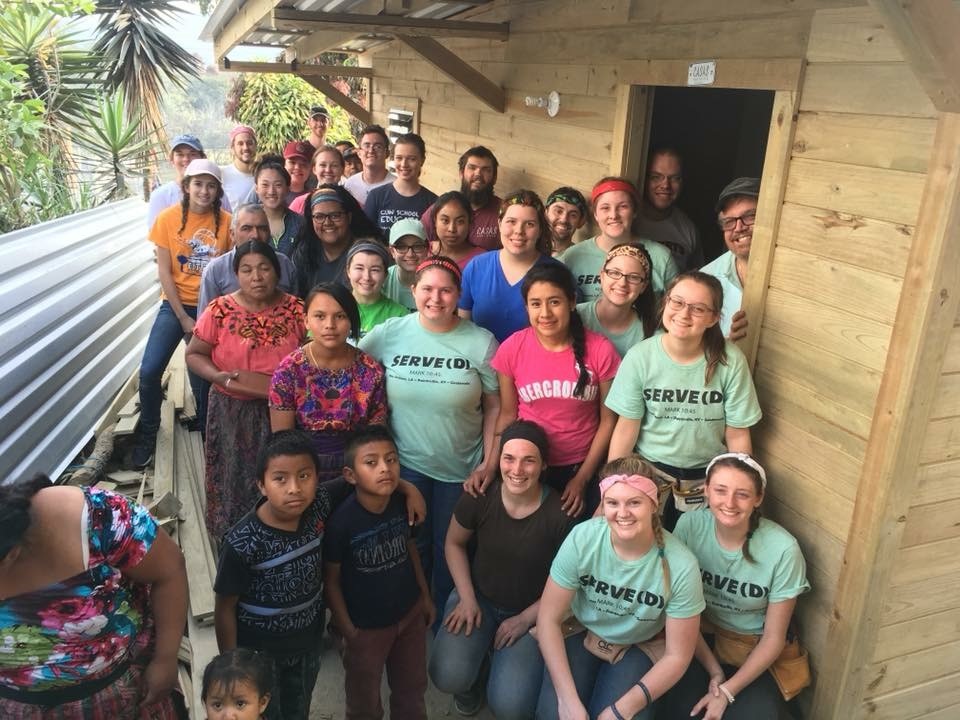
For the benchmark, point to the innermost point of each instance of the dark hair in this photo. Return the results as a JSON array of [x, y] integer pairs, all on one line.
[[481, 152], [271, 162], [440, 262], [362, 436], [737, 464], [714, 344], [15, 499], [645, 306], [376, 130], [343, 296], [235, 666], [185, 204], [452, 196], [529, 431], [256, 247], [559, 275], [284, 443], [411, 139], [528, 198], [636, 465]]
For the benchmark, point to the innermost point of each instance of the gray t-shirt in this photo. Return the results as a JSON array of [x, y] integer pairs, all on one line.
[[680, 236]]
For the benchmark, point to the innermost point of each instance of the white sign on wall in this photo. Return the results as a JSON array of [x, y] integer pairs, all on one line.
[[702, 73]]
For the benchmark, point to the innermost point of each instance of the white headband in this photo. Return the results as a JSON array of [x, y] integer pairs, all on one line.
[[746, 460]]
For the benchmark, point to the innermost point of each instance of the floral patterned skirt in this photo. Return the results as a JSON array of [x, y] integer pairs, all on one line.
[[235, 431]]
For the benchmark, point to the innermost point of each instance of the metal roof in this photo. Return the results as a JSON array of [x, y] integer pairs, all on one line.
[[77, 298]]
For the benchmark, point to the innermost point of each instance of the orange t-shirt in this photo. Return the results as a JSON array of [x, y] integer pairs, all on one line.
[[191, 249]]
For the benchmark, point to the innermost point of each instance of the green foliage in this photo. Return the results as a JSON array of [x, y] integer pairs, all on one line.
[[276, 105], [199, 109]]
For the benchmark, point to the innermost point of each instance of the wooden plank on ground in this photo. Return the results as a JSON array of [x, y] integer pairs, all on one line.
[[163, 460], [203, 649], [178, 378], [126, 477], [201, 570], [129, 390], [132, 407], [127, 425]]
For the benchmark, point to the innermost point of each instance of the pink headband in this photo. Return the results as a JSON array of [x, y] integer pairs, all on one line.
[[610, 186], [240, 129], [638, 482]]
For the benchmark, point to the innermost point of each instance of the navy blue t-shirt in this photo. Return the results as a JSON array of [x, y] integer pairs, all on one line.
[[384, 206]]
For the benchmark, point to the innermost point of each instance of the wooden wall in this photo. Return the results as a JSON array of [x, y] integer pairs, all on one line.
[[855, 179]]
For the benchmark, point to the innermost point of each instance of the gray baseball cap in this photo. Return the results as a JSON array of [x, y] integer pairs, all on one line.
[[747, 186]]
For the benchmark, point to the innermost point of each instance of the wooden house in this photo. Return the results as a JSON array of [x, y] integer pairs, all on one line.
[[853, 287]]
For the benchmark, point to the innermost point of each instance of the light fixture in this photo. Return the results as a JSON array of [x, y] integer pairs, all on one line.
[[551, 102]]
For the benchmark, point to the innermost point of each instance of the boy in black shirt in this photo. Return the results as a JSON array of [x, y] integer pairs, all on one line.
[[375, 585]]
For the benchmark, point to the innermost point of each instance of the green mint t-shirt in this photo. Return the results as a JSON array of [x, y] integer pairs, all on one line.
[[621, 341], [375, 313], [736, 590], [394, 289], [585, 259], [435, 383], [683, 418], [624, 601]]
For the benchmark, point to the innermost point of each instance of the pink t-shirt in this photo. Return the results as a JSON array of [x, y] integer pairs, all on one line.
[[545, 381]]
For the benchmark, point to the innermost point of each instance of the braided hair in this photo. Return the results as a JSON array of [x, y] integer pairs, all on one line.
[[558, 275], [750, 472], [185, 205], [15, 517]]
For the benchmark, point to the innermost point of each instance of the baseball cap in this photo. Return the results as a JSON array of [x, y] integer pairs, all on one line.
[[747, 186], [298, 148], [407, 226], [319, 110], [202, 166], [188, 140]]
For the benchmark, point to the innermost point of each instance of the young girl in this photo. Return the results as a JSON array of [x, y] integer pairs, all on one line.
[[328, 387], [686, 395], [271, 181], [327, 169], [405, 197], [557, 374], [237, 685], [734, 544], [626, 582], [408, 245], [187, 238], [367, 271], [451, 216], [625, 311]]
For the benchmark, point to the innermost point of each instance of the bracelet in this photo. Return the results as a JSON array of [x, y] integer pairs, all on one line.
[[646, 693], [616, 713], [726, 693]]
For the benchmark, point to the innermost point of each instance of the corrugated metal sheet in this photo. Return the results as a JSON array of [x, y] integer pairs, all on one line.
[[77, 298]]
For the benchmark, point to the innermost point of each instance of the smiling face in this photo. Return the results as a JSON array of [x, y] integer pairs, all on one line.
[[436, 295], [664, 179], [318, 125], [331, 223], [478, 174], [367, 274], [299, 169], [241, 701], [629, 513], [181, 156], [631, 280], [614, 213], [520, 466], [373, 151], [732, 496], [257, 277], [549, 309], [327, 322], [327, 167], [272, 189], [376, 469], [520, 230], [407, 161], [689, 309], [202, 190], [408, 252], [565, 219], [290, 485], [739, 238], [244, 147]]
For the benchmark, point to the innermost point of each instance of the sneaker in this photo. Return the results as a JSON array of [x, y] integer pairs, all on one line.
[[142, 452], [469, 703]]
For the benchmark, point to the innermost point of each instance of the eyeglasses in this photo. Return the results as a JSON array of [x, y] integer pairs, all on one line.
[[730, 223], [696, 309], [657, 178], [376, 147], [415, 249], [631, 278], [334, 217]]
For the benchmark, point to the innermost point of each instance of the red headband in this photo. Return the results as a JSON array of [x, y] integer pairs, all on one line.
[[610, 186], [442, 262]]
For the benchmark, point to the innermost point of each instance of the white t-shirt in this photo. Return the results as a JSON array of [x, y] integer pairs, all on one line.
[[360, 188], [236, 184]]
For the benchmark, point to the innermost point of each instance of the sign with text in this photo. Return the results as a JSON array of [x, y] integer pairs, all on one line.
[[702, 73]]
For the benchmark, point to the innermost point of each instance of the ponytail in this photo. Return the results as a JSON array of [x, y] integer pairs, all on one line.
[[15, 517], [661, 551], [754, 524], [579, 336]]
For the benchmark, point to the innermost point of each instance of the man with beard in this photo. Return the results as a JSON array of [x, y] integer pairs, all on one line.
[[317, 122], [566, 213], [238, 175], [660, 219], [737, 212], [374, 146], [478, 175]]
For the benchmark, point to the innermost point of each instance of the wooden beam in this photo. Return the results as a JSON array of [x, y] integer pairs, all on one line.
[[928, 305], [631, 130], [450, 64], [248, 17], [743, 74], [346, 102], [776, 161], [302, 69], [927, 32], [288, 19]]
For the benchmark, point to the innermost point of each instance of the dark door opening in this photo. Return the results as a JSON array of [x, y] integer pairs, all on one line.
[[722, 135]]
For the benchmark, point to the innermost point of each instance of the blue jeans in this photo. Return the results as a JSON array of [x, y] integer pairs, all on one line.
[[441, 498], [165, 334], [515, 671], [760, 699], [599, 684]]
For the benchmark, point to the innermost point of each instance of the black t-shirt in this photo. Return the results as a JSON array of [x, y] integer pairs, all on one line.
[[513, 557], [376, 574], [384, 206]]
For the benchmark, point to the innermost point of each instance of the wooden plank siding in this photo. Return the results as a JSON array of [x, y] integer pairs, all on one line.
[[853, 186]]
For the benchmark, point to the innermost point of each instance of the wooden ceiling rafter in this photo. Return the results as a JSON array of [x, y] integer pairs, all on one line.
[[285, 18], [296, 68]]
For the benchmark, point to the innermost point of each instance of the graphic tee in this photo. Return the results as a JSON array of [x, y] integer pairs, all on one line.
[[683, 418], [384, 206], [736, 590], [484, 228], [625, 601], [678, 234], [585, 259], [545, 381], [190, 249], [435, 384]]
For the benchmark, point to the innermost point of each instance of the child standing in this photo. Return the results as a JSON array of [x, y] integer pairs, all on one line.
[[375, 585], [367, 271], [268, 582], [237, 685]]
